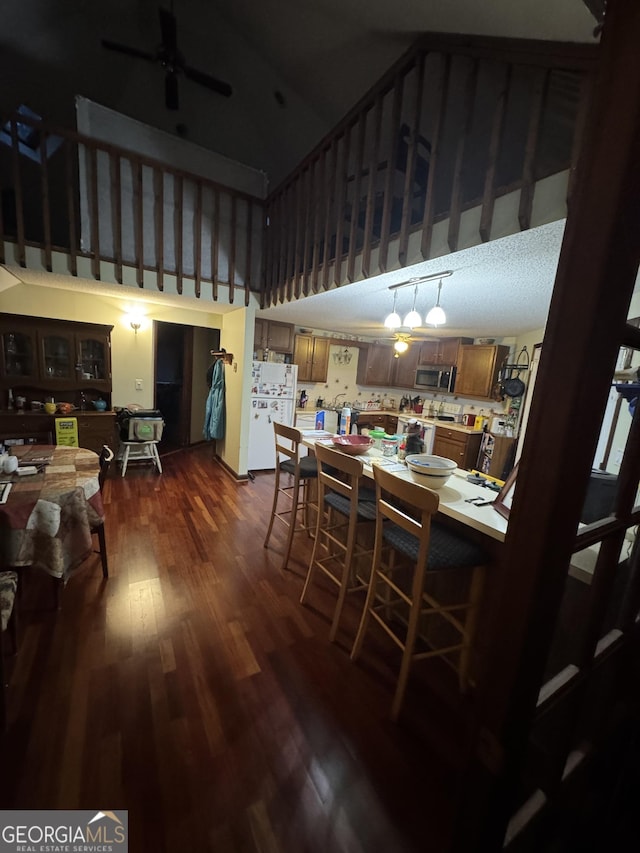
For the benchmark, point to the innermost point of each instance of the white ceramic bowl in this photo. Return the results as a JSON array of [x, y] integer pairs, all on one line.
[[434, 470]]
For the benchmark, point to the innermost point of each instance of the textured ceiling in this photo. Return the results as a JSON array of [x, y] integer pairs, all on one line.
[[502, 288]]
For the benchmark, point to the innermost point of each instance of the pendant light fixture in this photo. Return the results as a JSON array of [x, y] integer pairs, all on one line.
[[413, 319], [436, 316], [393, 320]]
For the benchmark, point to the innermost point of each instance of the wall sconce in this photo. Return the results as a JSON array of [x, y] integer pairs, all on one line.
[[135, 321]]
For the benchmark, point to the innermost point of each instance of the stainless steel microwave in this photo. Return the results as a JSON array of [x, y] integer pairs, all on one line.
[[435, 377]]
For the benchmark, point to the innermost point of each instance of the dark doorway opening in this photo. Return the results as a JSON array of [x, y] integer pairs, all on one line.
[[181, 355]]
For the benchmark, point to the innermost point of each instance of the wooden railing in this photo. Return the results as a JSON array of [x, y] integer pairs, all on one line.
[[455, 124], [62, 191]]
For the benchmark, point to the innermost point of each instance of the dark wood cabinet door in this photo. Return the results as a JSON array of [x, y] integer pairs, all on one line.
[[404, 367], [429, 352], [320, 360], [478, 369], [280, 337], [303, 357], [19, 354], [374, 365]]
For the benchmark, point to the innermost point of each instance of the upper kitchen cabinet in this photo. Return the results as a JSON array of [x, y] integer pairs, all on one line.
[[269, 334], [312, 357], [375, 364], [478, 368], [403, 373], [443, 351]]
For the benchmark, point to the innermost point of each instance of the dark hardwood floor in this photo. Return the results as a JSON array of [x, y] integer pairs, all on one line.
[[192, 689]]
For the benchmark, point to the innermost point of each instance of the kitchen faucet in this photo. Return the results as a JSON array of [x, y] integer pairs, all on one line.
[[335, 399]]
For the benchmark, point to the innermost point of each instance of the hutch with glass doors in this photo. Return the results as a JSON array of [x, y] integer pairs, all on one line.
[[44, 361]]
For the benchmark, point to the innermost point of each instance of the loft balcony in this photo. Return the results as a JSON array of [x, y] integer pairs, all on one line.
[[462, 141]]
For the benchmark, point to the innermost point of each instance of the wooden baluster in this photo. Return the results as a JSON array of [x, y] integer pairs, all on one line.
[[489, 197], [412, 148], [455, 207], [441, 89], [387, 206]]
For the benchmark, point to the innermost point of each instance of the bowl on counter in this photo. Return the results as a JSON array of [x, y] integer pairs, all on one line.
[[435, 470], [353, 445]]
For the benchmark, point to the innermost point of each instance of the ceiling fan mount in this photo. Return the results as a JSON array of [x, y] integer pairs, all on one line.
[[170, 58]]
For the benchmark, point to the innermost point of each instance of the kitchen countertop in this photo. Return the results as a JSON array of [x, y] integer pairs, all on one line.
[[447, 424], [394, 413]]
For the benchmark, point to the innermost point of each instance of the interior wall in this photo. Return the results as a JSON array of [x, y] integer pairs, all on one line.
[[132, 355]]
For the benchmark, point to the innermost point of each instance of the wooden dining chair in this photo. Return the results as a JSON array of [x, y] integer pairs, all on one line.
[[292, 499], [411, 552], [106, 458], [341, 513], [8, 622]]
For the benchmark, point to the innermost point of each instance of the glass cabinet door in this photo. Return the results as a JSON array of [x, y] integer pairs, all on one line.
[[19, 355], [94, 359], [57, 356]]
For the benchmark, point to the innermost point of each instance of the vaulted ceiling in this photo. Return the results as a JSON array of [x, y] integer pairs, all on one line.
[[295, 68]]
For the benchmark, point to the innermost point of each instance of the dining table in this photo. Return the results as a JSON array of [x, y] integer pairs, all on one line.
[[50, 510], [466, 503]]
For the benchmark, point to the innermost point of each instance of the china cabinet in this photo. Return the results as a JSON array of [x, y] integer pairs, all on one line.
[[43, 358]]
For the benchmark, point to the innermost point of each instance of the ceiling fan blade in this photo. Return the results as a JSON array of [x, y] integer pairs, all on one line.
[[171, 90], [129, 51], [168, 28], [207, 80]]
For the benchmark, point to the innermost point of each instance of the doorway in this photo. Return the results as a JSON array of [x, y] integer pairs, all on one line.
[[181, 354]]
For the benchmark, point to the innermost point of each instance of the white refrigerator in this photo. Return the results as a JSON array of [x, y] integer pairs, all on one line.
[[273, 398]]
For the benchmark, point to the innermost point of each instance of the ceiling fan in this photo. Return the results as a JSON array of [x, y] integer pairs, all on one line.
[[173, 62]]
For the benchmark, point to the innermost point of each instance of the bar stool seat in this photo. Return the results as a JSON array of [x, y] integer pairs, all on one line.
[[336, 551], [411, 551], [298, 503]]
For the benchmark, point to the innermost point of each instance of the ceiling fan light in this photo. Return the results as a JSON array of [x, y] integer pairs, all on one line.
[[436, 317], [412, 319], [401, 346]]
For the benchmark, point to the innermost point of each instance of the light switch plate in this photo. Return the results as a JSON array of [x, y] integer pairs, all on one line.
[[138, 384]]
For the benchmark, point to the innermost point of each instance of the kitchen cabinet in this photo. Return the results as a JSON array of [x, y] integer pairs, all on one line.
[[269, 334], [375, 365], [42, 357], [95, 429], [461, 447], [379, 420], [312, 357], [478, 370], [404, 367], [443, 351]]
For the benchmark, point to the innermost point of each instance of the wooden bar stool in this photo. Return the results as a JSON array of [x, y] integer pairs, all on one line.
[[298, 500], [340, 513], [423, 550]]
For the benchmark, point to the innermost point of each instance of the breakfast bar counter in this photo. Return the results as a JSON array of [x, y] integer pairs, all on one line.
[[454, 496]]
